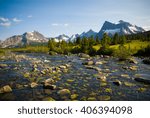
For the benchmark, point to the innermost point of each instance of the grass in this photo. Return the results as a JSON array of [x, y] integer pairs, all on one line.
[[134, 45], [32, 49], [28, 49]]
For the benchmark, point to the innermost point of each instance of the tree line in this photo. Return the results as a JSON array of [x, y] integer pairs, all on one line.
[[86, 44]]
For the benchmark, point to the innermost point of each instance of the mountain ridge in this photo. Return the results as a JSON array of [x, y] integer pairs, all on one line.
[[122, 28]]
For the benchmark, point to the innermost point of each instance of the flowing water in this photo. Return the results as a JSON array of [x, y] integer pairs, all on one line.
[[81, 81]]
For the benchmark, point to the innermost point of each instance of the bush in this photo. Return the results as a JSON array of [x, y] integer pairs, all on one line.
[[105, 51], [92, 51], [144, 52], [122, 52]]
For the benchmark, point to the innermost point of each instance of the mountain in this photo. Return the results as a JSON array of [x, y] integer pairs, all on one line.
[[122, 28], [26, 38], [62, 37], [73, 37], [88, 33], [12, 41]]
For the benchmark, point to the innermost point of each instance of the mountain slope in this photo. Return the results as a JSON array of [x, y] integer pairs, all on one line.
[[88, 33], [122, 28], [62, 37], [25, 39]]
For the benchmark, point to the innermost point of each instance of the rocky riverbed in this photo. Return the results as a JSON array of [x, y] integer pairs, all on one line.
[[35, 76]]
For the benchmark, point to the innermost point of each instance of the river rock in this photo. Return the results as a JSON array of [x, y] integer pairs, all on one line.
[[67, 65], [102, 78], [142, 78], [52, 53], [48, 99], [134, 68], [91, 99], [74, 96], [49, 81], [88, 63], [129, 84], [98, 63], [117, 82], [49, 86], [146, 61], [3, 65], [125, 75], [62, 67], [64, 92], [93, 67], [132, 60], [104, 98], [82, 55], [33, 84], [5, 89]]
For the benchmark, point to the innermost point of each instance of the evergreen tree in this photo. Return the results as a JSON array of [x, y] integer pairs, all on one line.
[[84, 45], [123, 40], [91, 41], [78, 41], [97, 40], [115, 39], [106, 41], [51, 45]]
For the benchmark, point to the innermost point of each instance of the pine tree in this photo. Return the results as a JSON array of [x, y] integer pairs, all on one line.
[[51, 45], [115, 39], [97, 40], [106, 41], [78, 41]]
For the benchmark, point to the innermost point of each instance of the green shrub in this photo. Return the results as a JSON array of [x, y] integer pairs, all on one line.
[[122, 52], [144, 52], [105, 51]]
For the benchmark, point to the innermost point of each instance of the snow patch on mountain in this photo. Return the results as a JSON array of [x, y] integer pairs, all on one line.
[[112, 31]]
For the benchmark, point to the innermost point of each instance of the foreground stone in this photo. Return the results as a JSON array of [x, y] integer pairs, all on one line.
[[33, 85], [49, 81], [3, 65], [142, 78], [64, 92], [88, 63], [91, 99], [82, 55], [117, 82], [104, 98], [102, 78], [132, 60], [6, 89], [48, 99], [49, 86], [94, 68]]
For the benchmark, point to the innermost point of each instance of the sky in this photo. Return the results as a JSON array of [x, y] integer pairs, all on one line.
[[55, 17]]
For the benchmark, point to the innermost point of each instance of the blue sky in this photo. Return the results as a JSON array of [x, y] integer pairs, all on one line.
[[54, 17]]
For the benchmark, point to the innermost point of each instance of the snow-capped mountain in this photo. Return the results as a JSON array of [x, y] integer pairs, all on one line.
[[73, 37], [33, 37], [62, 37], [26, 38], [121, 28], [88, 33]]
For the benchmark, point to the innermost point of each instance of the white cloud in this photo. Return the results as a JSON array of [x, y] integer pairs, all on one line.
[[66, 25], [29, 16], [4, 19], [5, 24], [16, 20], [56, 24]]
